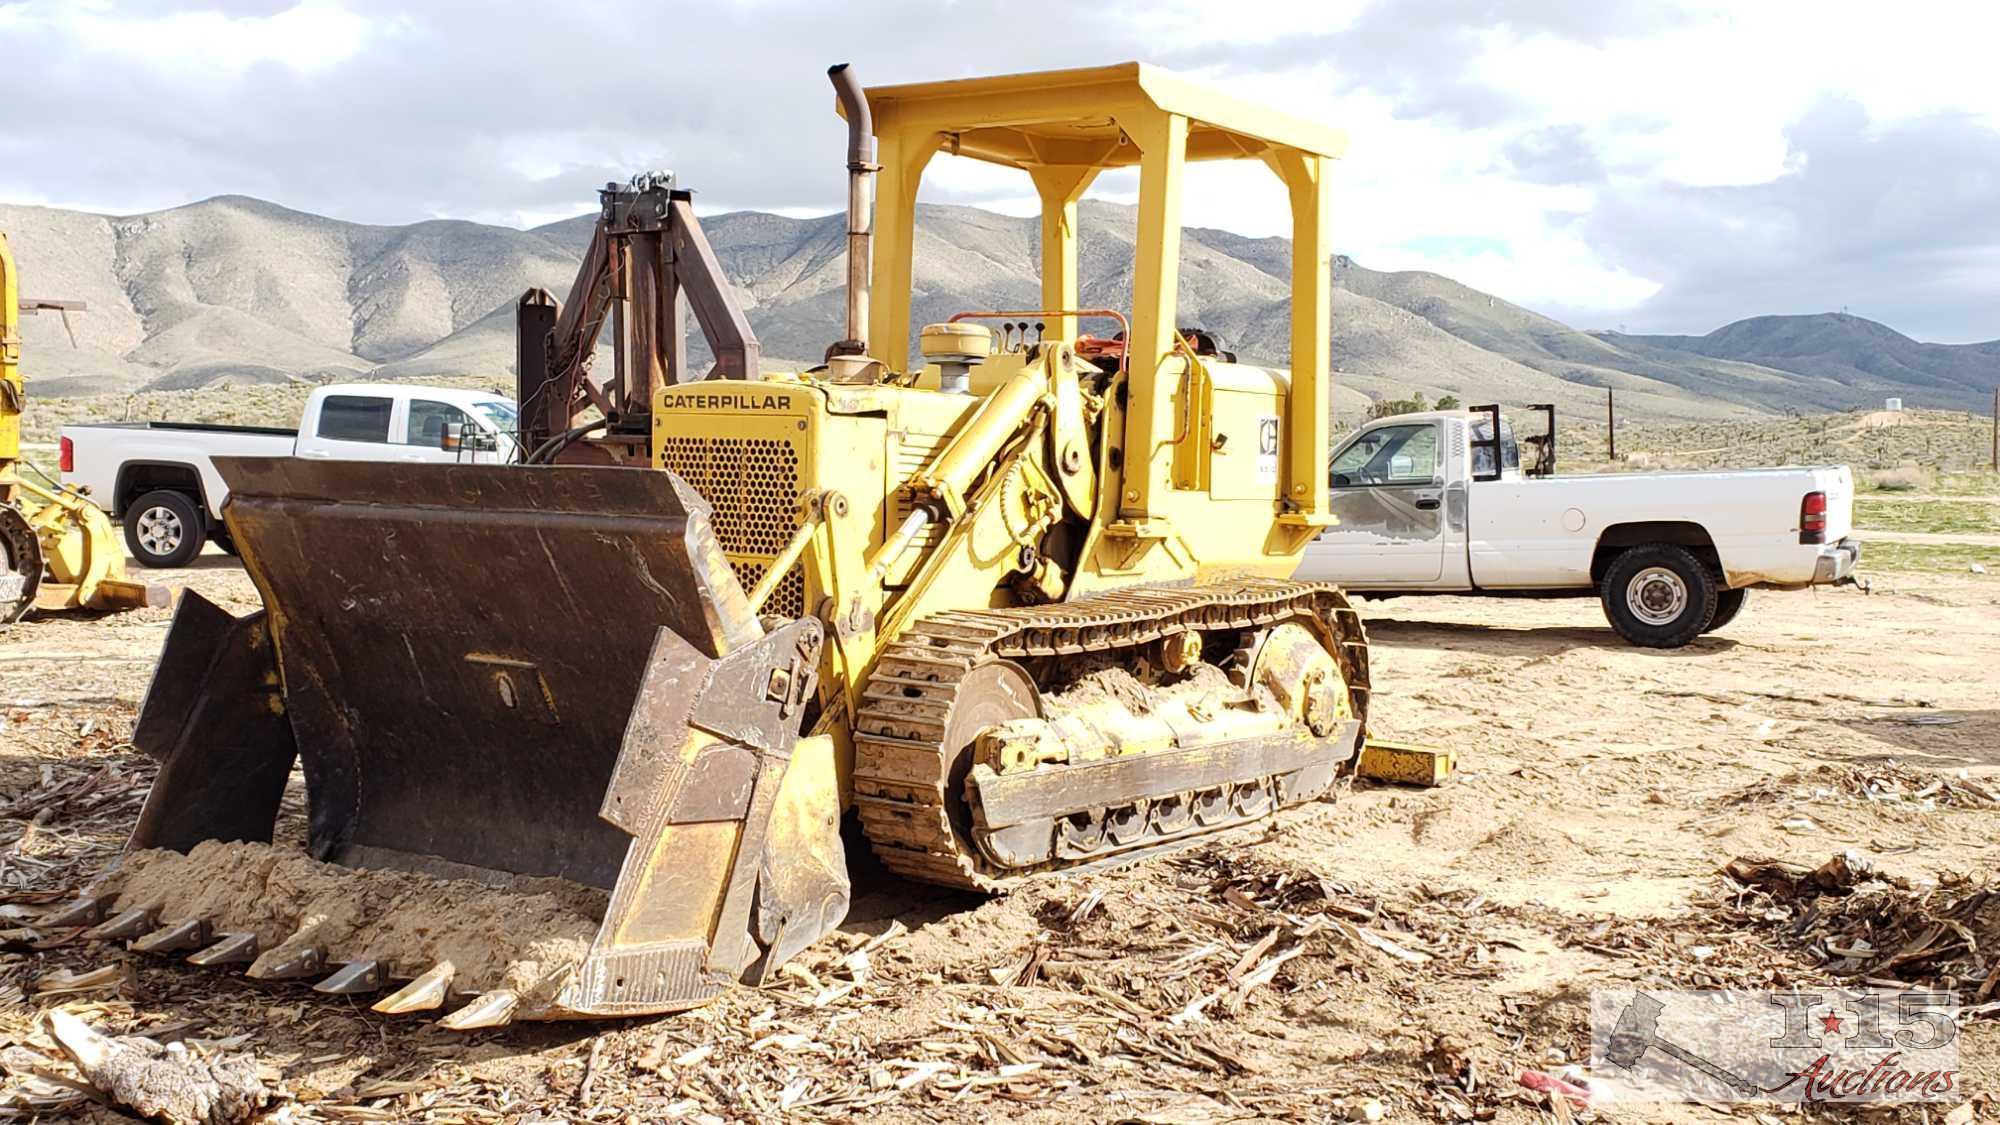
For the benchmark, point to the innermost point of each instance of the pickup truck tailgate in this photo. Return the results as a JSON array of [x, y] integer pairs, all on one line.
[[1838, 484]]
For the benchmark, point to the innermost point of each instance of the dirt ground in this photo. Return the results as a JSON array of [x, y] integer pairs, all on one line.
[[1430, 946]]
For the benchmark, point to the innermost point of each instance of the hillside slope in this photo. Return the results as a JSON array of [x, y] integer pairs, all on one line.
[[1864, 359], [236, 290]]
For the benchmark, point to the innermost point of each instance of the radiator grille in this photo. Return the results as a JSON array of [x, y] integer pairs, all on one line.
[[788, 600], [753, 485]]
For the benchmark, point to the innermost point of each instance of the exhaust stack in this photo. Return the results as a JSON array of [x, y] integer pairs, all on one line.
[[861, 169]]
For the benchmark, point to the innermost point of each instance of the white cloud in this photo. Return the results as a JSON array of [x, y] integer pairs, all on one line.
[[1497, 141], [1707, 96], [309, 36], [1170, 24], [1707, 102]]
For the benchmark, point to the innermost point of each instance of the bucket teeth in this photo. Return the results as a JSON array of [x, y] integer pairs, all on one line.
[[488, 1009], [86, 911], [355, 977], [177, 938], [229, 949], [126, 925], [424, 994], [305, 961]]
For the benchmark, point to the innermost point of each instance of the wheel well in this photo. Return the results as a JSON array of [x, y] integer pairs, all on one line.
[[137, 478], [1619, 538]]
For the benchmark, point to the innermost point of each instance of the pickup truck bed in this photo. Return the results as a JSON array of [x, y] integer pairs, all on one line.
[[200, 427], [1530, 533], [1424, 507]]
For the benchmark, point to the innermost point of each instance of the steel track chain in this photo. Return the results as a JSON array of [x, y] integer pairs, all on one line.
[[899, 768]]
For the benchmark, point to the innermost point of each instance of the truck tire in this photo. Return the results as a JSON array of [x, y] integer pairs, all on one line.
[[165, 528], [1659, 595], [1728, 603]]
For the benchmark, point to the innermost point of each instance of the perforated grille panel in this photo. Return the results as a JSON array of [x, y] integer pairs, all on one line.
[[753, 485], [788, 600], [912, 452]]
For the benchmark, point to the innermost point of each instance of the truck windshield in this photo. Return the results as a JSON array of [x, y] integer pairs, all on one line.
[[501, 413], [1388, 455]]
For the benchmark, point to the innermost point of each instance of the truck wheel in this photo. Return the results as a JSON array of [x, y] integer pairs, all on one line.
[[1728, 603], [1659, 596], [165, 528]]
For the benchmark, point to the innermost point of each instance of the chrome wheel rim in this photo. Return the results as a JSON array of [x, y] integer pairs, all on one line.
[[160, 530], [1656, 596]]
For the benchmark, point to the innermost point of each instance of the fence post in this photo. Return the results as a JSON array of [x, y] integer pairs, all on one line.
[[1610, 424]]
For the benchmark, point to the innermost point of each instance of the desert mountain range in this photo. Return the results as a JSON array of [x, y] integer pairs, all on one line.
[[235, 289]]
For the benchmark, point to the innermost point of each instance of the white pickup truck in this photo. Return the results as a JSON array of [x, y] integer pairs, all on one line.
[[1440, 503], [159, 478]]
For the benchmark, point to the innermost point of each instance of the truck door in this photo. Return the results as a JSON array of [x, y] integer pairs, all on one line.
[[352, 427], [424, 430], [1387, 491]]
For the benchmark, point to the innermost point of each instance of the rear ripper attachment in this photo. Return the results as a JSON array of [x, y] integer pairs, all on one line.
[[611, 771]]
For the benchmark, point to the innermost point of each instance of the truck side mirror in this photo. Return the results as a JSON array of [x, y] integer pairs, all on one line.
[[452, 437]]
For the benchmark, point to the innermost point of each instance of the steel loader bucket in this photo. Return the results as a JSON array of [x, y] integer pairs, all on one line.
[[491, 673]]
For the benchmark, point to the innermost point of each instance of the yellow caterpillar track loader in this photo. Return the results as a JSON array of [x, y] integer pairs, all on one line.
[[578, 735], [57, 549]]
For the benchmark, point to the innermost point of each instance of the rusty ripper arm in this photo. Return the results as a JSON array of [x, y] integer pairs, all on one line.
[[646, 252]]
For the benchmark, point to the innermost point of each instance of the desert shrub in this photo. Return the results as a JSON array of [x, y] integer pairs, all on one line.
[[1389, 406], [1907, 477]]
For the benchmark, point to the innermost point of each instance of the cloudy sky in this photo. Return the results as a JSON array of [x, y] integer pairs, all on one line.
[[1660, 165]]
